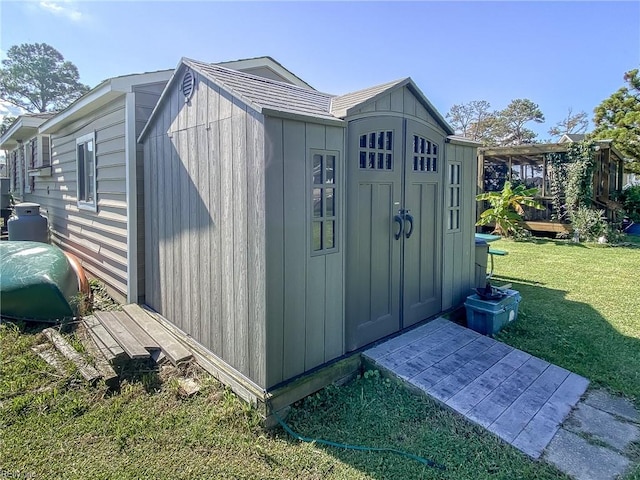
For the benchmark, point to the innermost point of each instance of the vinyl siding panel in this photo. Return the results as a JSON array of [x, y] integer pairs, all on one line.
[[99, 238]]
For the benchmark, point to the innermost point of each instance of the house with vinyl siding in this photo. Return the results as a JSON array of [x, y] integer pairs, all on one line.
[[84, 167], [88, 183], [301, 226]]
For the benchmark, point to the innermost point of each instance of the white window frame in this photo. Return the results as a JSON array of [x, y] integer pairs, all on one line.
[[85, 204]]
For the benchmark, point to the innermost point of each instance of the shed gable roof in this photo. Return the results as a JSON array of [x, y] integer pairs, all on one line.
[[345, 105], [263, 93], [249, 64]]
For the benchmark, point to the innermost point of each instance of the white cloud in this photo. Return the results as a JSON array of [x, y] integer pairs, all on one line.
[[63, 9]]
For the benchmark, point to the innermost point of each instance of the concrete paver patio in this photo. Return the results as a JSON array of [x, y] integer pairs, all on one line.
[[520, 398]]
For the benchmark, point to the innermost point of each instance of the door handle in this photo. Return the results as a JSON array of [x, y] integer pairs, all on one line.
[[400, 220], [409, 218]]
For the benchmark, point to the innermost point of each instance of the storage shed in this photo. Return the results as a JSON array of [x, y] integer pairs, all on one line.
[[286, 227]]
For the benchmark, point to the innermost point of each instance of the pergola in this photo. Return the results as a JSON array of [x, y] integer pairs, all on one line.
[[529, 165]]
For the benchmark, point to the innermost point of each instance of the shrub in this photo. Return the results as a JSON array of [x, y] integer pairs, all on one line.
[[589, 224], [630, 199]]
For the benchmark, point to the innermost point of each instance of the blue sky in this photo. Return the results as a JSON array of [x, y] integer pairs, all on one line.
[[558, 54]]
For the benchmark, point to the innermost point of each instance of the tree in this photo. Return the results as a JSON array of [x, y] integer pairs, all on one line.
[[6, 123], [37, 78], [571, 124], [472, 120], [507, 208], [509, 127], [618, 118]]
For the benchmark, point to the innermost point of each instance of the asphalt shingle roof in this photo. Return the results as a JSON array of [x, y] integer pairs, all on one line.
[[266, 93]]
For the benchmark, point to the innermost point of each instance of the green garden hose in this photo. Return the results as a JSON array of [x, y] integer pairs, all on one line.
[[425, 461]]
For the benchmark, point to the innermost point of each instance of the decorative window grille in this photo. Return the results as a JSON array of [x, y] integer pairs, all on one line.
[[376, 150], [425, 155], [453, 202], [324, 202]]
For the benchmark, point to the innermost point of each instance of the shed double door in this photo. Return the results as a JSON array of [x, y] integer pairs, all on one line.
[[393, 260]]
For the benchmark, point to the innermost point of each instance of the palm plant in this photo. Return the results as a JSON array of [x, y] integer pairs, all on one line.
[[507, 208]]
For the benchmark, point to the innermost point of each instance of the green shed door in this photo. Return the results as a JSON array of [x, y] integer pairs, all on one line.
[[393, 277]]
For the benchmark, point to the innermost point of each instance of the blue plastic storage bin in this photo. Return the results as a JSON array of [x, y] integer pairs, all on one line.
[[489, 316]]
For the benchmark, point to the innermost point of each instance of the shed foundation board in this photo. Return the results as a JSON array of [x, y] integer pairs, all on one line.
[[520, 398]]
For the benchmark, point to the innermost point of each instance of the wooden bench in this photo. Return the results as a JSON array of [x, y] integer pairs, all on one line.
[[499, 253]]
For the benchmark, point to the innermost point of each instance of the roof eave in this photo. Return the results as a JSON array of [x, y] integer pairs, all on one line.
[[22, 128], [336, 122], [94, 99]]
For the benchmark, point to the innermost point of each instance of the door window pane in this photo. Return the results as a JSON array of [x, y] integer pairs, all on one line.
[[317, 169], [330, 202], [317, 202], [374, 150]]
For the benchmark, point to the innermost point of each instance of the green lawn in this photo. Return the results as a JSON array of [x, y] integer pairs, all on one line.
[[579, 309]]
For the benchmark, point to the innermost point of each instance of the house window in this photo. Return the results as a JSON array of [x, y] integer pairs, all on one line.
[[453, 200], [376, 151], [425, 155], [86, 165], [324, 202], [14, 168]]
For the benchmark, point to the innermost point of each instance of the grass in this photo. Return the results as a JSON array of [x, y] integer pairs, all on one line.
[[579, 310]]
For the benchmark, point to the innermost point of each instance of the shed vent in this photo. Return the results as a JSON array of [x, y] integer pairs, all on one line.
[[188, 84]]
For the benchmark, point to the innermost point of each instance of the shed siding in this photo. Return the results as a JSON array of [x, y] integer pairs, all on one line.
[[459, 246], [401, 101], [146, 98], [305, 299], [204, 217], [99, 238]]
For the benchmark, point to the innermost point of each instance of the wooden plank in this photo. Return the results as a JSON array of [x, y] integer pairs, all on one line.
[[161, 200], [337, 372], [111, 351], [51, 356], [172, 348], [513, 420], [108, 374], [126, 318], [88, 372], [126, 340]]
